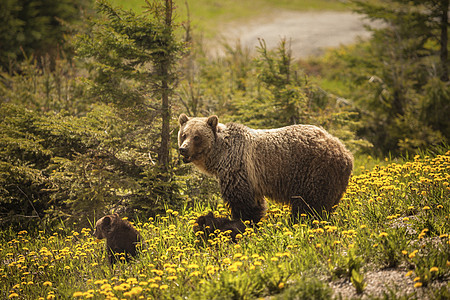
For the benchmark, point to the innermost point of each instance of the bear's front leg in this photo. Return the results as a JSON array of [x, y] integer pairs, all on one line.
[[243, 202]]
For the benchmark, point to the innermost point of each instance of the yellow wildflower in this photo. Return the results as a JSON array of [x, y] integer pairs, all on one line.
[[434, 269], [77, 294]]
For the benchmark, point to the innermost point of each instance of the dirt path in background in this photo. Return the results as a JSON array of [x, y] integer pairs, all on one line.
[[310, 33]]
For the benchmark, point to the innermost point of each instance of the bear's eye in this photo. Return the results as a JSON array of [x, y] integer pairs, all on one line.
[[196, 138]]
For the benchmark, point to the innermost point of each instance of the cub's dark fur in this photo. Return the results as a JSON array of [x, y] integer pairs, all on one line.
[[209, 223], [120, 235]]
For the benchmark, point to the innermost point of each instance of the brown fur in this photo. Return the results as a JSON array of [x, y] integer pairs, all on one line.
[[300, 165], [120, 235], [209, 223]]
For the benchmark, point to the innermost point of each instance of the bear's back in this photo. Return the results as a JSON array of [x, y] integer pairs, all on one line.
[[282, 162]]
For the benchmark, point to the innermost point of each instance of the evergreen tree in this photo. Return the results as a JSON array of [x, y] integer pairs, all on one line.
[[35, 28], [134, 58], [405, 103]]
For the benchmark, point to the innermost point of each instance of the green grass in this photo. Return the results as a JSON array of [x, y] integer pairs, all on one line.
[[208, 16], [393, 217]]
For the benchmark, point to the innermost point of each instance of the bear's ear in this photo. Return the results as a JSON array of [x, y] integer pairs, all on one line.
[[182, 119], [213, 121]]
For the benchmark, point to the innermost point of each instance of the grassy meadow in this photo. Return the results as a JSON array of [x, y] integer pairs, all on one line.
[[393, 219], [207, 16]]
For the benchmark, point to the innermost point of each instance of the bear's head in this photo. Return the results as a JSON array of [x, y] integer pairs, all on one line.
[[196, 137], [104, 226]]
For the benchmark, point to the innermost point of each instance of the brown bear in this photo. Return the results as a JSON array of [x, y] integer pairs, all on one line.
[[120, 235], [209, 224], [300, 165]]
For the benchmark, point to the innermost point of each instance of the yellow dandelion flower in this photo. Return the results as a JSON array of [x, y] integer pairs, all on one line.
[[50, 297], [281, 285], [226, 260], [192, 266], [413, 254], [118, 288], [404, 252], [47, 283], [383, 234], [13, 295], [233, 268], [195, 274], [127, 295], [426, 207], [434, 269], [418, 284], [164, 287], [408, 274], [77, 294], [136, 290], [132, 280], [154, 285]]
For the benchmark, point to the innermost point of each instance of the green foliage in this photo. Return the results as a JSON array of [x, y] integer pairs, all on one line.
[[35, 28], [358, 282], [125, 51], [275, 259], [132, 59], [401, 86], [308, 289], [268, 91]]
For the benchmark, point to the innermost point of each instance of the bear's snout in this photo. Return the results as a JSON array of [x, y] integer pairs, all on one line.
[[183, 151]]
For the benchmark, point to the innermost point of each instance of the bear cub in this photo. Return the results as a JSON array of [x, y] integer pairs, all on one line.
[[120, 235], [209, 223]]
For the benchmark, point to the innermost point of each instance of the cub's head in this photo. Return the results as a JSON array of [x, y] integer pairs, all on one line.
[[196, 137], [104, 225]]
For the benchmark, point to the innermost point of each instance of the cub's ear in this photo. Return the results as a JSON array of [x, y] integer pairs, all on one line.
[[182, 119], [106, 221], [213, 121]]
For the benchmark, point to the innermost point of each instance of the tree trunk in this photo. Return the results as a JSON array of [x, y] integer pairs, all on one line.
[[444, 40], [165, 128], [164, 151]]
